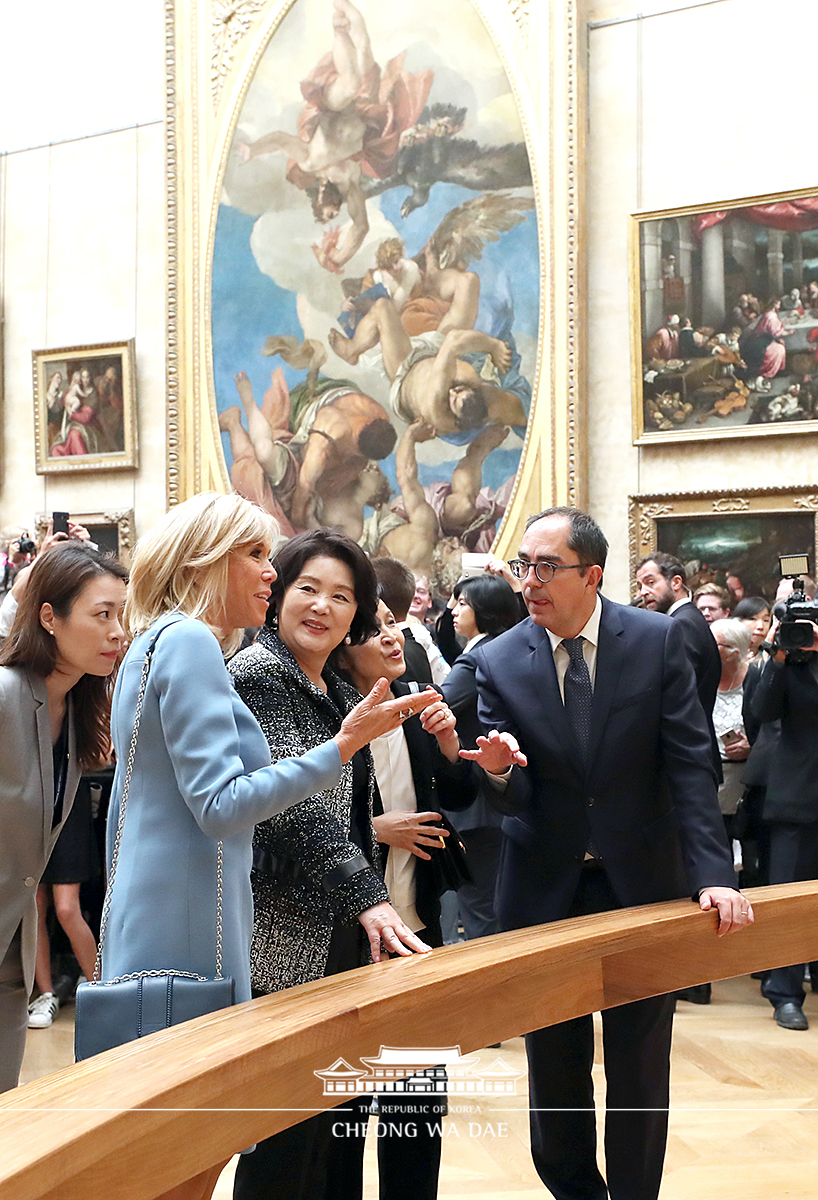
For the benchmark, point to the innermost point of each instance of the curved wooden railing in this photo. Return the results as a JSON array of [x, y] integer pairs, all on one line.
[[143, 1118]]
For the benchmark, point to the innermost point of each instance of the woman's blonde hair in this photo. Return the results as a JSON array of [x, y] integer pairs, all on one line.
[[181, 564], [735, 633]]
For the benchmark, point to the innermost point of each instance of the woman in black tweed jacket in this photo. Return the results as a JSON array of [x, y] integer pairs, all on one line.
[[308, 873], [320, 905]]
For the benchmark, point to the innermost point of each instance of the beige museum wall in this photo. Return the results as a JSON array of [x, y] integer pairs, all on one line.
[[684, 107], [84, 244]]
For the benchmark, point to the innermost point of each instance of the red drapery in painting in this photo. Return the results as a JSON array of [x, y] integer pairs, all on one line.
[[791, 216]]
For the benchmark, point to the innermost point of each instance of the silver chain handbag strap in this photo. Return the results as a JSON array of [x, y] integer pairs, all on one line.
[[106, 908]]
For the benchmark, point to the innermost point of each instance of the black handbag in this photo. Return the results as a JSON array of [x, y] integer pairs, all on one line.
[[450, 862], [112, 1012]]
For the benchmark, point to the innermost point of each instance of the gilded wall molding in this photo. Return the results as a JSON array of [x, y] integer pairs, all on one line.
[[645, 513], [231, 20], [172, 437], [521, 11]]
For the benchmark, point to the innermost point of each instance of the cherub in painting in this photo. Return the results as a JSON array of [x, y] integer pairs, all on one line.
[[351, 124], [429, 373]]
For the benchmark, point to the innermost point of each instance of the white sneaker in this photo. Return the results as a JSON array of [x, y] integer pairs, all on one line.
[[42, 1011]]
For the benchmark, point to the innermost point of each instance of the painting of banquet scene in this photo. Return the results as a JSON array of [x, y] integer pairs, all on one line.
[[728, 322]]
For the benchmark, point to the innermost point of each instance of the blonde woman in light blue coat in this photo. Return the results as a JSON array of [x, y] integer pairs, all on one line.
[[202, 771]]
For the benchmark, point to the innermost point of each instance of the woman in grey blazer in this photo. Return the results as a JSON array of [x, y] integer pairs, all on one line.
[[202, 771], [54, 704]]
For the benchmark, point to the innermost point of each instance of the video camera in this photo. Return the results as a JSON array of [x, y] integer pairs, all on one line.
[[797, 616]]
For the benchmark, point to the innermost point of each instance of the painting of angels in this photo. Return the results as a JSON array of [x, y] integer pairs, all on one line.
[[375, 281]]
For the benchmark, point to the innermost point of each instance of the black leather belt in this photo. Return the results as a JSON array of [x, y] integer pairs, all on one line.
[[289, 870], [276, 866]]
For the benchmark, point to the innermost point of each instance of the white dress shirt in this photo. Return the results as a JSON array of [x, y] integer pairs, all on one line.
[[437, 663], [678, 604], [472, 642], [393, 772], [589, 631]]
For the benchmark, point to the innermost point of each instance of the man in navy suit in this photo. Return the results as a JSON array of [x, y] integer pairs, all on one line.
[[598, 738], [663, 588]]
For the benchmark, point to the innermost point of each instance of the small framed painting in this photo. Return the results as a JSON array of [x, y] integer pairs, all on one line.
[[84, 408]]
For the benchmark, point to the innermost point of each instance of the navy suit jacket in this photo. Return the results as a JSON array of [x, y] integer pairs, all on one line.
[[706, 663], [459, 690], [646, 793]]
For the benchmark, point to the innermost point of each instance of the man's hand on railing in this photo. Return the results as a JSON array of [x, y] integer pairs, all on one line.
[[735, 910]]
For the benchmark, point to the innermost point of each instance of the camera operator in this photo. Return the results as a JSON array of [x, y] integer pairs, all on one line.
[[787, 692], [25, 550], [18, 552]]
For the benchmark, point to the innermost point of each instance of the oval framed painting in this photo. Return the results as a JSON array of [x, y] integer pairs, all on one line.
[[375, 280]]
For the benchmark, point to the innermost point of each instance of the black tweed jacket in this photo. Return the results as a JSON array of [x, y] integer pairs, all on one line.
[[294, 916]]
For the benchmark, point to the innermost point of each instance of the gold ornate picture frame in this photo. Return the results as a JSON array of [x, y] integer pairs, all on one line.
[[724, 319], [84, 408], [719, 534], [214, 52], [112, 531]]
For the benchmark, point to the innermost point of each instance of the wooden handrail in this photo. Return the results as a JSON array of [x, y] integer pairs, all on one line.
[[140, 1119]]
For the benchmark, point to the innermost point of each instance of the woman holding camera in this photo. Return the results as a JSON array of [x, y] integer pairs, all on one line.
[[55, 670]]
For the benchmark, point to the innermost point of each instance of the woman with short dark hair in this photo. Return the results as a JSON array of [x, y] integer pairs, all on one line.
[[756, 614], [320, 904], [55, 690]]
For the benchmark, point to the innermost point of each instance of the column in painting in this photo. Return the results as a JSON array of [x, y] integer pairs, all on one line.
[[685, 259], [739, 242], [713, 276], [797, 260], [652, 275], [775, 263]]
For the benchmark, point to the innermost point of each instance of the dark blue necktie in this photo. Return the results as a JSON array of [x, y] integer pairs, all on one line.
[[577, 693]]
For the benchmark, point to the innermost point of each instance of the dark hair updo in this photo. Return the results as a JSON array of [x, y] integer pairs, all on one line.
[[289, 562]]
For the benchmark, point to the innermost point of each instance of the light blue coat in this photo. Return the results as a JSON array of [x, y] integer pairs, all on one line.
[[201, 774]]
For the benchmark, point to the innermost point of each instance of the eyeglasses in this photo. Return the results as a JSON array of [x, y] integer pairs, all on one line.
[[545, 571]]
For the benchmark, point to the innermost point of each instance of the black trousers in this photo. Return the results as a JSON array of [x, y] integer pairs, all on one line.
[[292, 1164], [636, 1040], [322, 1158], [408, 1133], [793, 858]]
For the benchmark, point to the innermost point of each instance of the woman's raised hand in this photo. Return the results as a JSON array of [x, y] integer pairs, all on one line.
[[410, 830], [388, 934], [376, 715], [439, 720]]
